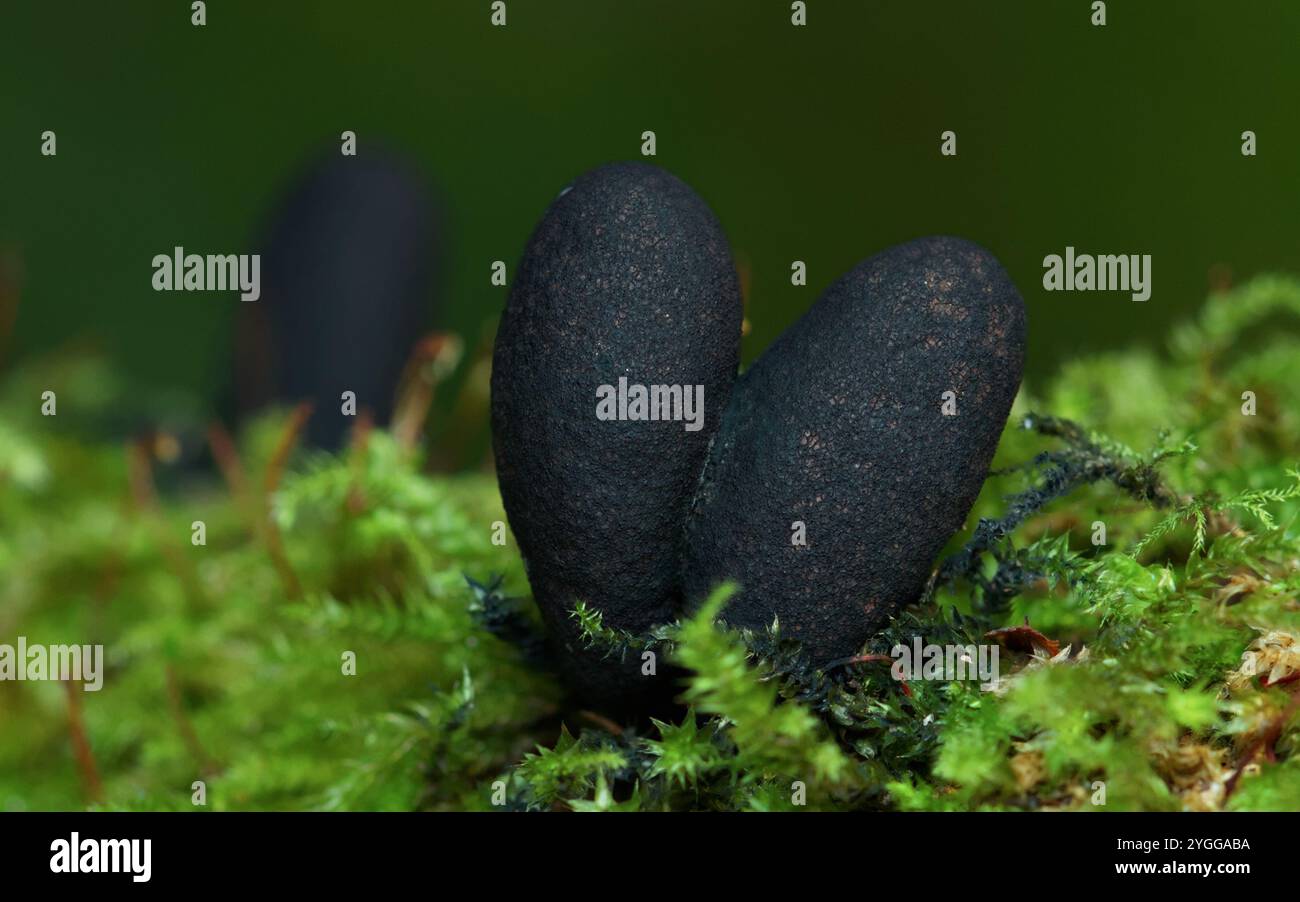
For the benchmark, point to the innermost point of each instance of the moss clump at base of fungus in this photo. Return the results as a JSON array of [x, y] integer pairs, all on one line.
[[1136, 554]]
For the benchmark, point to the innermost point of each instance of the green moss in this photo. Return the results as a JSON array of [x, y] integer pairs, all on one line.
[[224, 661]]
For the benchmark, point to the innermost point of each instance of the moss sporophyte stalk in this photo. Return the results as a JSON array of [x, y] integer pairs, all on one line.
[[1133, 556]]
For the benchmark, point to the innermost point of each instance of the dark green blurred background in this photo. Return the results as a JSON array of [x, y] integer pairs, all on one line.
[[817, 143]]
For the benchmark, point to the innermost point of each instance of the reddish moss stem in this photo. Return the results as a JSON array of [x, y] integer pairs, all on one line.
[[81, 750], [144, 493], [274, 472], [175, 701]]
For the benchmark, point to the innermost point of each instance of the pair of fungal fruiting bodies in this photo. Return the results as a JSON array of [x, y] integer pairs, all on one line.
[[838, 425]]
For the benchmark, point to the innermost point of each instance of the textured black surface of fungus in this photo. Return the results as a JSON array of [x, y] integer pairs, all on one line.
[[627, 274], [348, 264], [839, 425]]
